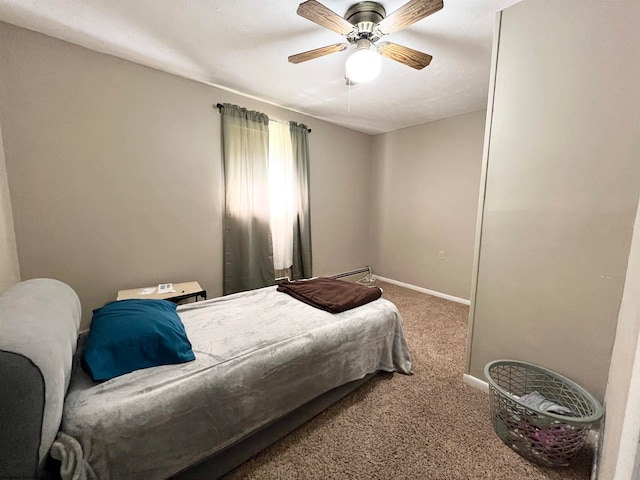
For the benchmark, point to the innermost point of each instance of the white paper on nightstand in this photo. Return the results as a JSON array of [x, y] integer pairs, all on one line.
[[165, 288], [147, 291]]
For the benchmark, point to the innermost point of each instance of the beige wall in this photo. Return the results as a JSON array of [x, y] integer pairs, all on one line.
[[424, 199], [9, 271], [562, 188], [115, 172]]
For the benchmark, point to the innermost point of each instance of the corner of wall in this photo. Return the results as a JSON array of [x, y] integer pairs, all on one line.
[[9, 267], [483, 187], [620, 451], [375, 185]]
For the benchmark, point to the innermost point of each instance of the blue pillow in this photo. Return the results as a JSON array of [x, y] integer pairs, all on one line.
[[128, 335]]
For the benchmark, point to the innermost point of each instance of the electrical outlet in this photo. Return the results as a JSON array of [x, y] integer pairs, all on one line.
[[441, 255]]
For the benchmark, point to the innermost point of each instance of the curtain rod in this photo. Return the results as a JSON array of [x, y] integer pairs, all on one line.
[[220, 107]]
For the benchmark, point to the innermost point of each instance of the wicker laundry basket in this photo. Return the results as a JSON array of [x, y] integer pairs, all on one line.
[[545, 438]]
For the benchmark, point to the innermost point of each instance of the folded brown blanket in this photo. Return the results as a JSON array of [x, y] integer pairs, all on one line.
[[331, 295]]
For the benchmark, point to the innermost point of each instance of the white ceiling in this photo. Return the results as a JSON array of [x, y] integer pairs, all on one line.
[[243, 46]]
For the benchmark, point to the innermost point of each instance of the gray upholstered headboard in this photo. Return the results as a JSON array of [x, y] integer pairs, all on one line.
[[39, 322]]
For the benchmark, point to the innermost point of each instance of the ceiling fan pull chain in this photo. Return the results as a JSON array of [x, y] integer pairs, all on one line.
[[349, 96]]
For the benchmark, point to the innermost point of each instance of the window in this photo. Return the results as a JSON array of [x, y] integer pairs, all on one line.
[[267, 225]]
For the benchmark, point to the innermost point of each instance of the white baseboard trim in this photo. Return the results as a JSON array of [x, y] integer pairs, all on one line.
[[424, 290], [591, 438], [475, 382]]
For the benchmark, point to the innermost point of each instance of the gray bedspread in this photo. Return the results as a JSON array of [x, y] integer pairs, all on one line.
[[259, 355]]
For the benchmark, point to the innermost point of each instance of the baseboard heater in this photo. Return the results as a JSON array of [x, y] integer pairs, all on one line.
[[352, 272]]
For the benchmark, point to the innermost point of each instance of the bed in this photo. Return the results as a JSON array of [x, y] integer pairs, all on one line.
[[260, 357]]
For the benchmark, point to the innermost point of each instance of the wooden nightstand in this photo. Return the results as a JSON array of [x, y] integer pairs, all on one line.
[[182, 292]]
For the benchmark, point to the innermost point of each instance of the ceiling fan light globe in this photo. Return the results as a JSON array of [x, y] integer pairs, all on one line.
[[363, 66]]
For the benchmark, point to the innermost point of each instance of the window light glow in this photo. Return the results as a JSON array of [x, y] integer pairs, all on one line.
[[282, 193]]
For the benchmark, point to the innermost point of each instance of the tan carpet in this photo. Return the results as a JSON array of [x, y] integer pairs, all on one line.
[[429, 425]]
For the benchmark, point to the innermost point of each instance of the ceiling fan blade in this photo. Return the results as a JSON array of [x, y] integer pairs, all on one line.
[[408, 56], [318, 52], [318, 13], [408, 14]]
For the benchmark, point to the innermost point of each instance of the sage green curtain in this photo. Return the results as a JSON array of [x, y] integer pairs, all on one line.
[[302, 264], [247, 244]]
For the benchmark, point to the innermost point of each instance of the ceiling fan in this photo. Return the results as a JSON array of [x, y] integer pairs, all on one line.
[[363, 25]]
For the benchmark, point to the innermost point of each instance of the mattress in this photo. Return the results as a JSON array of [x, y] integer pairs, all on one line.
[[259, 355]]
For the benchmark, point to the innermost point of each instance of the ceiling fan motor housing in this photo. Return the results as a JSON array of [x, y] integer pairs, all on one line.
[[364, 16]]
